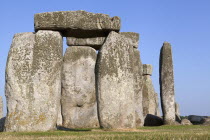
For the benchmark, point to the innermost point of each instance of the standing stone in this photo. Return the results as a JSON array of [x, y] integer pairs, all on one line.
[[60, 118], [138, 86], [33, 81], [149, 95], [79, 107], [1, 107], [157, 112], [18, 86], [46, 73], [167, 84], [177, 112], [115, 83], [177, 109]]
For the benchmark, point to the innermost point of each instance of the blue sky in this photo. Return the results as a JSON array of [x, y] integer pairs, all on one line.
[[183, 23]]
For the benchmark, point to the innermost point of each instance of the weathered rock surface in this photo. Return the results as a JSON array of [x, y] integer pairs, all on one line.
[[185, 122], [132, 37], [79, 107], [207, 121], [147, 69], [167, 84], [1, 107], [46, 73], [33, 81], [177, 112], [153, 120], [194, 119], [18, 87], [60, 118], [95, 42], [157, 112], [138, 87], [77, 23], [149, 95], [115, 83]]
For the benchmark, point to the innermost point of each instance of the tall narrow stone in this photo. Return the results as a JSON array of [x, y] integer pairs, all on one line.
[[115, 83], [60, 118], [46, 74], [33, 81], [18, 85], [149, 95], [167, 84], [177, 112], [138, 87], [177, 109], [79, 107], [157, 112]]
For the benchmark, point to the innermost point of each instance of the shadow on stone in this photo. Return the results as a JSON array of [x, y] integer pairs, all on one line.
[[152, 120], [71, 129], [2, 122]]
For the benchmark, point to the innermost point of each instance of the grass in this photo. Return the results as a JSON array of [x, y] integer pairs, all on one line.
[[195, 132]]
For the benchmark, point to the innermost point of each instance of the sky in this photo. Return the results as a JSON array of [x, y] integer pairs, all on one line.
[[183, 23]]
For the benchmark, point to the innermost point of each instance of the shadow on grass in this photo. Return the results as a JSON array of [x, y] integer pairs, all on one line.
[[61, 128]]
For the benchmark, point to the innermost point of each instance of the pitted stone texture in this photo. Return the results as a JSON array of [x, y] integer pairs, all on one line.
[[46, 73], [132, 37], [157, 112], [149, 97], [147, 69], [1, 107], [185, 122], [167, 84], [19, 87], [115, 83], [77, 23], [138, 87], [33, 81], [60, 118], [95, 42], [79, 107]]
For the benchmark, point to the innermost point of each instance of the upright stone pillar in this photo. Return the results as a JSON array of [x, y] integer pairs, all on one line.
[[149, 95], [177, 112], [19, 85], [60, 118], [138, 87], [79, 107], [33, 81], [46, 74], [115, 83], [167, 84], [157, 112]]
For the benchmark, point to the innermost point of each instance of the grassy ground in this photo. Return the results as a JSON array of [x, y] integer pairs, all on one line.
[[144, 133]]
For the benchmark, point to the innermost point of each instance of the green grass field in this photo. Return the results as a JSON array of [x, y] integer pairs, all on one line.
[[195, 132]]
